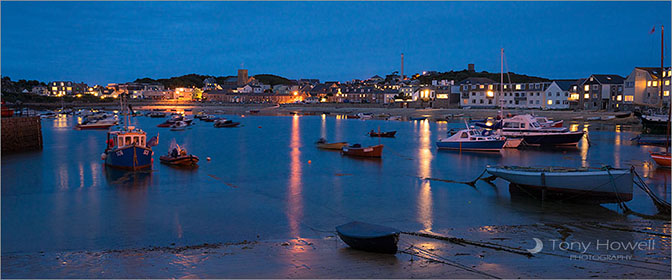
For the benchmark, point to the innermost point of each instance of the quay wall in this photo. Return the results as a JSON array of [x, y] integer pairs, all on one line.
[[21, 134]]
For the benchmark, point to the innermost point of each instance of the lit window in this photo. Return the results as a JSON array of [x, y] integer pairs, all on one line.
[[586, 96], [482, 86], [586, 87], [655, 83], [667, 82], [489, 86], [648, 84], [490, 93], [629, 98], [550, 102], [54, 88], [666, 93], [519, 86], [619, 98]]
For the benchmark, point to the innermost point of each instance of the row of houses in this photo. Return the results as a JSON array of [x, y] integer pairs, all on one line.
[[597, 92], [643, 86]]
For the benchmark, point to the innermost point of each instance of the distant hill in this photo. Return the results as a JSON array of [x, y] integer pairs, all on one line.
[[270, 79], [458, 76]]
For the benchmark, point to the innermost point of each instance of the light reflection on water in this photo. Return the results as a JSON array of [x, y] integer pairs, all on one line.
[[62, 198]]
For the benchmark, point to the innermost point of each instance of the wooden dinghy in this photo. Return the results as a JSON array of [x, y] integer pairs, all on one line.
[[357, 150], [182, 160], [323, 144], [600, 185], [369, 237]]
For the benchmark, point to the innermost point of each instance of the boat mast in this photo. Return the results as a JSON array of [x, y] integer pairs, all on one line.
[[662, 69], [501, 84]]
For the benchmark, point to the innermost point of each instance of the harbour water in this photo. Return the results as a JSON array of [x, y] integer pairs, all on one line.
[[266, 180]]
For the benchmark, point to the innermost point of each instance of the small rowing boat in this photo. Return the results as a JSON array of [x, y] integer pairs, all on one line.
[[662, 159], [601, 185], [358, 151], [369, 237], [382, 134], [323, 144], [225, 123], [178, 156]]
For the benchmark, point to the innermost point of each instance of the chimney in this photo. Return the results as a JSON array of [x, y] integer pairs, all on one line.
[[471, 67], [402, 66]]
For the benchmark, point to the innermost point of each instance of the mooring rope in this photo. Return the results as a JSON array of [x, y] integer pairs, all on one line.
[[470, 183], [437, 258], [462, 241]]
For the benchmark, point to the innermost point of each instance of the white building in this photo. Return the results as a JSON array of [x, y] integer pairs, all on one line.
[[556, 95], [641, 87]]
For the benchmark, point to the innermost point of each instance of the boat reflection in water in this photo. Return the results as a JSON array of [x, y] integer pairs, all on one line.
[[128, 179]]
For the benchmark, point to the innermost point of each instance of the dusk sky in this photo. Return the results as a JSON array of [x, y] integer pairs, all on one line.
[[105, 42]]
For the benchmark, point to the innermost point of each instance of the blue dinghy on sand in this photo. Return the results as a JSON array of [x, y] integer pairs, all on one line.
[[369, 237]]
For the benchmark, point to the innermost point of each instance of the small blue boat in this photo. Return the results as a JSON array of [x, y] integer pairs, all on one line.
[[369, 237], [472, 140]]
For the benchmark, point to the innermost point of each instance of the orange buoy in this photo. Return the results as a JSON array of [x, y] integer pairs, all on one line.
[[309, 162]]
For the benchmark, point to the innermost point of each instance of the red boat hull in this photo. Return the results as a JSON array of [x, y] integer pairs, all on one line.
[[662, 159], [373, 151]]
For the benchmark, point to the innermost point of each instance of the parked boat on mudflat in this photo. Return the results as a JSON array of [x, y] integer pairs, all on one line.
[[369, 237], [602, 185]]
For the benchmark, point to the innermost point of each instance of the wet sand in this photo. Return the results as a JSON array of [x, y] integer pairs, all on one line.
[[329, 257]]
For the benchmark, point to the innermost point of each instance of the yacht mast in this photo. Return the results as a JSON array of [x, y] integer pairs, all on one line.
[[501, 84]]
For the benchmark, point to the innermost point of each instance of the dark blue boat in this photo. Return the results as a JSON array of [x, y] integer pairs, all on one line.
[[127, 147], [369, 237]]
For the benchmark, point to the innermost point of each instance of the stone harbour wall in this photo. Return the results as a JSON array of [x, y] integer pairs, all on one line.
[[21, 134]]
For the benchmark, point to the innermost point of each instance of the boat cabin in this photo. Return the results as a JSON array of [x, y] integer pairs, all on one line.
[[126, 138], [471, 135], [521, 122]]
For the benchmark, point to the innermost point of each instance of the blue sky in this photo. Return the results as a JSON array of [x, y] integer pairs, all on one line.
[[103, 42]]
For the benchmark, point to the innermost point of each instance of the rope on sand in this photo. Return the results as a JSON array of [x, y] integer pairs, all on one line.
[[439, 259], [470, 183], [462, 241]]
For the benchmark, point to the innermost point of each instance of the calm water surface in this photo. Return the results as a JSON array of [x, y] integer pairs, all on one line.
[[266, 180]]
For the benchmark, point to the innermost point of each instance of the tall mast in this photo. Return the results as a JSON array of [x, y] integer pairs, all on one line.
[[662, 69], [501, 84]]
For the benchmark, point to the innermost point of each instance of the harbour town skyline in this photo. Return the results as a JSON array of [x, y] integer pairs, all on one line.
[[327, 41]]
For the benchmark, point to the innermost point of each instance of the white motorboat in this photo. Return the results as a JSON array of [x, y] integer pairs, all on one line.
[[592, 184]]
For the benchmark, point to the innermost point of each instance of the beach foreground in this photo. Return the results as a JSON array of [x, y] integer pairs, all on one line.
[[328, 257]]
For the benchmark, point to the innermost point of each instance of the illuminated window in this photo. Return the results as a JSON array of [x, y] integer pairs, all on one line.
[[490, 94], [666, 93], [586, 96], [619, 98], [465, 101], [574, 96], [519, 86], [54, 88], [655, 83], [648, 84], [489, 86], [482, 86], [550, 102], [586, 87], [69, 88], [629, 98], [667, 82]]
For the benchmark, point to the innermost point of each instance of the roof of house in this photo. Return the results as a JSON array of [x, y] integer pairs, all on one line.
[[653, 71], [608, 78], [565, 84]]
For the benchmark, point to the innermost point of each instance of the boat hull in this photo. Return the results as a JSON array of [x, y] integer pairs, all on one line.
[[593, 185], [233, 124], [490, 146], [512, 142], [373, 151], [383, 134], [662, 159], [332, 146], [94, 126], [130, 158], [551, 139], [369, 237], [188, 160]]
